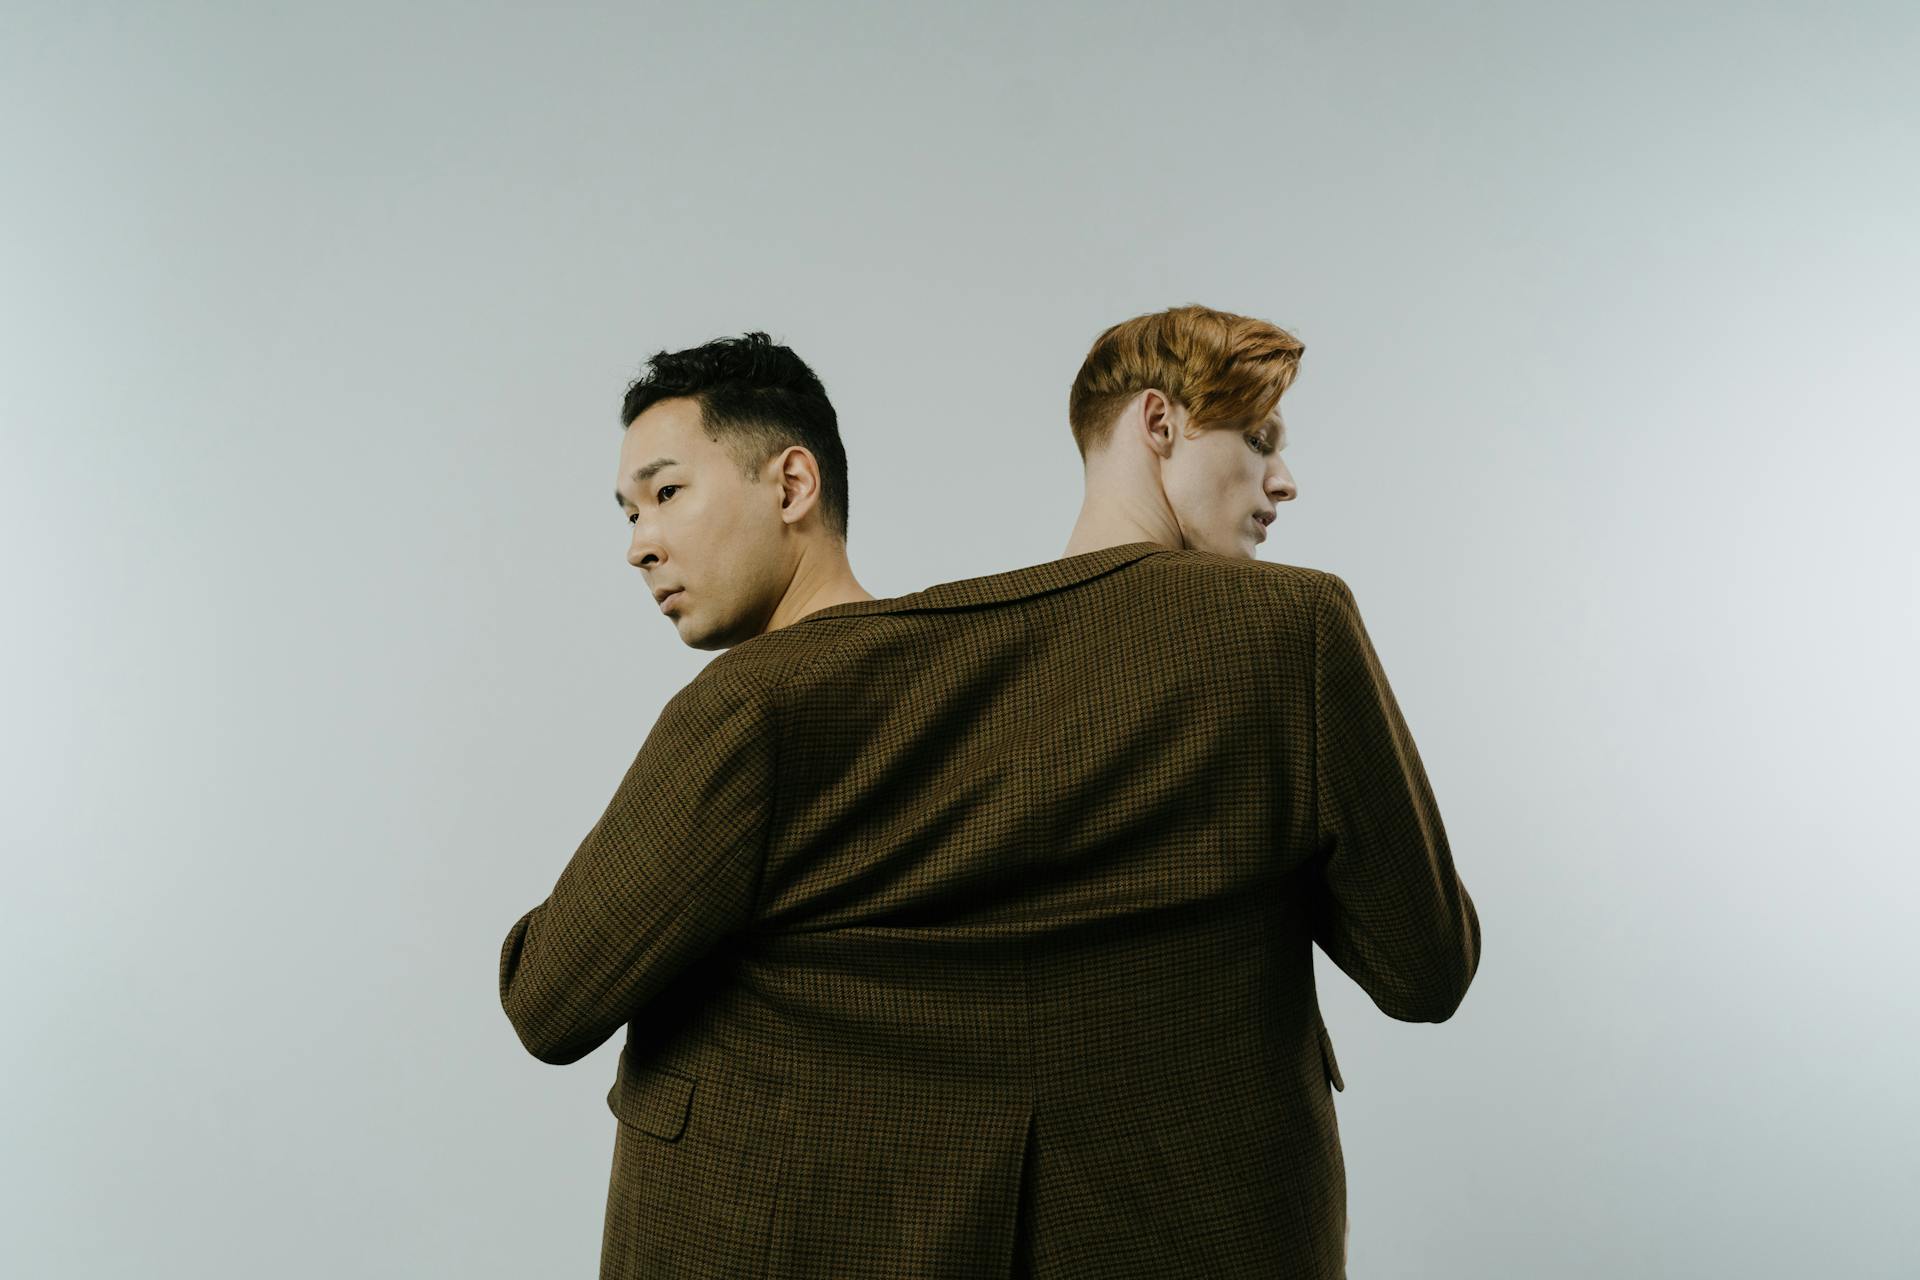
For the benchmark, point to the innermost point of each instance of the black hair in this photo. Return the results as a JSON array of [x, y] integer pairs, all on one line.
[[757, 398]]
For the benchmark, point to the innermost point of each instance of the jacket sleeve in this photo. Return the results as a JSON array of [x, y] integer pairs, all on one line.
[[671, 868], [1386, 904]]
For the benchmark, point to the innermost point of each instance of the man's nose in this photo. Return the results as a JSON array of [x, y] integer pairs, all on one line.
[[641, 551], [1280, 483]]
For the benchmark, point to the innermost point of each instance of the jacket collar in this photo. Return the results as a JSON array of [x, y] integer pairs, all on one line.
[[996, 588]]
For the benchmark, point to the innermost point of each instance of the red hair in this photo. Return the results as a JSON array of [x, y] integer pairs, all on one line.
[[1223, 368]]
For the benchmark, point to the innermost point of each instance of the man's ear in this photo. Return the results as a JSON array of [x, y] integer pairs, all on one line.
[[1157, 419], [798, 476]]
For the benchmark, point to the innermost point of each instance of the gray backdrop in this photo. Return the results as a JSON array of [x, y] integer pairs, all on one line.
[[322, 653]]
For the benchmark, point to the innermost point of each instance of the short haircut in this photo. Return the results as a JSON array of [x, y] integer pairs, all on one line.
[[756, 398], [1223, 368]]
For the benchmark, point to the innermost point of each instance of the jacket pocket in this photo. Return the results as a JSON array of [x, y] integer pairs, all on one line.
[[653, 1100], [1327, 1059]]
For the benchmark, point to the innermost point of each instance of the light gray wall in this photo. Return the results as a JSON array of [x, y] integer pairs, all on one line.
[[322, 654]]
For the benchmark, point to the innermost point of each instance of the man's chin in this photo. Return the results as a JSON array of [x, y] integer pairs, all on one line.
[[1242, 548], [699, 637]]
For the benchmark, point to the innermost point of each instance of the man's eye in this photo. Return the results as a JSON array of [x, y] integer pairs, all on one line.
[[1259, 445], [663, 491]]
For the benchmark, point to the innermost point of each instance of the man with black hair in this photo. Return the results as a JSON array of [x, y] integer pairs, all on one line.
[[734, 480], [969, 932]]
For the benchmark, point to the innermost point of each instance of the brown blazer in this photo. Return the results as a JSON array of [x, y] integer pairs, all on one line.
[[968, 932]]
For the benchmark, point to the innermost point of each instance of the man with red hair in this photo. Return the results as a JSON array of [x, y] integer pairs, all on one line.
[[969, 932]]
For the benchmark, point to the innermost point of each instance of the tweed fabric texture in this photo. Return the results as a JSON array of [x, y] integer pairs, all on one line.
[[968, 933]]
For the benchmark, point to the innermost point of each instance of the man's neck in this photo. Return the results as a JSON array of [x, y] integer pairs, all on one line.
[[1112, 524], [818, 581]]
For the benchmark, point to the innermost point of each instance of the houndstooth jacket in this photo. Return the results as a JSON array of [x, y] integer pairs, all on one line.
[[968, 933]]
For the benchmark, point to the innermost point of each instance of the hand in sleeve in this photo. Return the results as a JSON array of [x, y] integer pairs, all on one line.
[[670, 870], [1387, 905]]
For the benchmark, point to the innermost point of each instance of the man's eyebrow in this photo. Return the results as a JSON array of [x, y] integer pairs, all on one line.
[[641, 475]]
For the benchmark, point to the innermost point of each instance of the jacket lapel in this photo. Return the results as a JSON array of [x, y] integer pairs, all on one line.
[[996, 588]]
